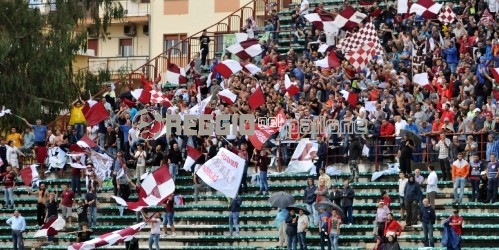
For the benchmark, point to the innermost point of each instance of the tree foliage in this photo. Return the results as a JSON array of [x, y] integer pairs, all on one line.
[[37, 51]]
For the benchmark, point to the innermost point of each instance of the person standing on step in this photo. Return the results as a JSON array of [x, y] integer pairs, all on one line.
[[123, 185], [412, 194], [493, 178], [262, 163], [141, 156], [354, 153], [432, 185], [91, 200], [334, 224], [428, 218], [443, 155], [456, 223], [82, 212], [381, 216], [402, 183], [406, 149], [18, 225], [67, 203], [155, 222], [347, 195], [324, 227], [84, 234], [303, 223], [310, 199], [174, 160], [280, 223], [392, 227], [169, 206], [204, 42], [51, 210], [460, 172], [234, 210], [43, 196], [292, 229], [9, 184], [325, 177], [476, 168]]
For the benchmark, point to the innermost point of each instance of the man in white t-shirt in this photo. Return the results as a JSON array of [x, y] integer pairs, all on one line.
[[399, 124], [155, 222], [402, 183], [304, 7]]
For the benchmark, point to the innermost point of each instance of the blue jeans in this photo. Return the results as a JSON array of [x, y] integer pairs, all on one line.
[[459, 182], [492, 190], [92, 216], [428, 234], [475, 185], [333, 238], [302, 240], [292, 238], [285, 154], [154, 239], [17, 240], [75, 184], [348, 212], [9, 197], [233, 222], [452, 67], [314, 215], [173, 168], [264, 185], [112, 151]]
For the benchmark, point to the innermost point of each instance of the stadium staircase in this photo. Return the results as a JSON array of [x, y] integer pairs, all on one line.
[[204, 225]]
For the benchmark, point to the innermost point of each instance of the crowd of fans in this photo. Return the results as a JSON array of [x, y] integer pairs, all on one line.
[[456, 126]]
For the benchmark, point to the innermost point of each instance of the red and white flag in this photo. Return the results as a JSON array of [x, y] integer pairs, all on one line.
[[331, 61], [94, 112], [227, 96], [142, 95], [350, 97], [109, 239], [426, 8], [250, 68], [158, 97], [256, 99], [51, 227], [190, 67], [86, 142], [366, 34], [495, 73], [223, 172], [349, 18], [246, 49], [154, 190], [262, 134], [301, 160], [29, 174], [322, 22], [227, 68], [192, 155], [422, 80], [291, 88], [447, 15], [175, 75], [487, 18], [361, 56]]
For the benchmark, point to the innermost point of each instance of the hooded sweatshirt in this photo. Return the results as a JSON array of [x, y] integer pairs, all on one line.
[[460, 169]]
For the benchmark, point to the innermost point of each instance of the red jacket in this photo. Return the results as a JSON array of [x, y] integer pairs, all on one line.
[[387, 129], [393, 226]]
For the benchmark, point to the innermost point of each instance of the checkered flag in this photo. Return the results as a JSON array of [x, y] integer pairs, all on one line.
[[349, 18], [361, 56], [365, 35], [158, 97], [109, 239], [246, 49], [447, 15]]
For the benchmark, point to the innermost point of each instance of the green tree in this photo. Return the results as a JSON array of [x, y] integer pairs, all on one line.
[[37, 51]]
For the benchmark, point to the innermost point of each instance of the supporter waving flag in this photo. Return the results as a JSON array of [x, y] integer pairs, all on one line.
[[109, 239]]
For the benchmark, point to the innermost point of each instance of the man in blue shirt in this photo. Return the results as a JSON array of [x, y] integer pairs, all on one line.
[[18, 226], [40, 132]]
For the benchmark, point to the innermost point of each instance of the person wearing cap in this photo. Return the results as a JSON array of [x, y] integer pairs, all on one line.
[[492, 176], [380, 219], [447, 127], [478, 120]]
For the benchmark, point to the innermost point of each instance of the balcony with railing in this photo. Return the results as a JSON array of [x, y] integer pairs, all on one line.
[[116, 65]]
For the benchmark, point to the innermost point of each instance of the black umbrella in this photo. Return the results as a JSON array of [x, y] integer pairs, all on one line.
[[281, 200], [329, 206], [298, 208], [412, 136]]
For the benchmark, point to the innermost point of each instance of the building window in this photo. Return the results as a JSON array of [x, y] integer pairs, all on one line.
[[93, 45], [126, 48], [171, 41]]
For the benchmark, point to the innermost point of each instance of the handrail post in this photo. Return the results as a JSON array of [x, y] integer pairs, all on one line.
[[376, 143]]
